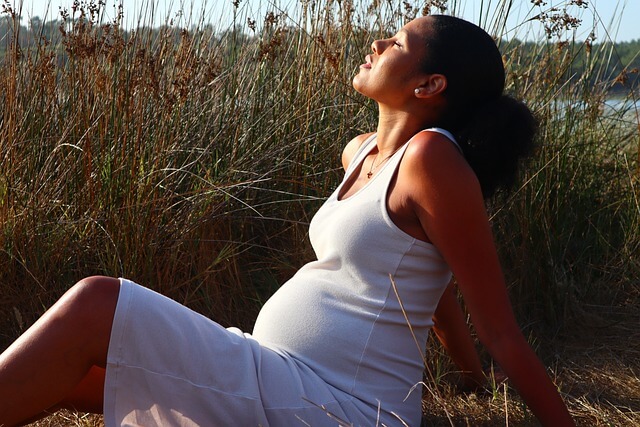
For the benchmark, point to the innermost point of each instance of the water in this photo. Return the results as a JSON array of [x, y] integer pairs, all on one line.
[[618, 104]]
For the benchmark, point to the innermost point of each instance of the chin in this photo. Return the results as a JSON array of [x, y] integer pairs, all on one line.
[[357, 85]]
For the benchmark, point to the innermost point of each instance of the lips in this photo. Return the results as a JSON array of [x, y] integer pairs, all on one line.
[[367, 63]]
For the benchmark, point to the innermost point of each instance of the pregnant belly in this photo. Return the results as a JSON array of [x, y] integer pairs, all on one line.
[[313, 321]]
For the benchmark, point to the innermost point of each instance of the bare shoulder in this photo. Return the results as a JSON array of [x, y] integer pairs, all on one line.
[[352, 147], [438, 185], [432, 162]]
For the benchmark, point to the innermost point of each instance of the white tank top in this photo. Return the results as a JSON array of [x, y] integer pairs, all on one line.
[[340, 316]]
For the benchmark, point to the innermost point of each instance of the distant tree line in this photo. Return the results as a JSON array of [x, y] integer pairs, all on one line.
[[617, 63]]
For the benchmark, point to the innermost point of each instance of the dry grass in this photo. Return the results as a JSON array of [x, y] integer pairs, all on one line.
[[595, 363], [191, 160]]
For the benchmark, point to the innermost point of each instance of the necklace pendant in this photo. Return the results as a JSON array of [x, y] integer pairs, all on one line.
[[369, 175]]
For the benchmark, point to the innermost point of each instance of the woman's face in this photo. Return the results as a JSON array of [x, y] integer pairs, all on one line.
[[391, 72]]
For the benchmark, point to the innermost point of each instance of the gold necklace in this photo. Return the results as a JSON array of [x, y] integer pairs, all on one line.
[[372, 168]]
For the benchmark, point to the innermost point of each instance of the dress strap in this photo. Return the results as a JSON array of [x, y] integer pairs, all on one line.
[[448, 135], [366, 146], [360, 153]]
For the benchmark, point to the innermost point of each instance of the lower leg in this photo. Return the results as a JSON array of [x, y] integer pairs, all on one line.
[[88, 395], [55, 355]]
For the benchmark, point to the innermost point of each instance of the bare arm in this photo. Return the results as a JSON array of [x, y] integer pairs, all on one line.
[[452, 331], [447, 200]]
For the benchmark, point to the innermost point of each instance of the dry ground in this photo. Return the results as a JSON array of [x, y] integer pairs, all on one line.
[[597, 368]]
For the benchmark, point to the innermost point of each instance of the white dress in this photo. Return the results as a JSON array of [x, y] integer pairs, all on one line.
[[332, 342]]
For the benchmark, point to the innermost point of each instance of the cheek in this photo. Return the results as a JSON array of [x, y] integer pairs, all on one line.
[[386, 77], [394, 73]]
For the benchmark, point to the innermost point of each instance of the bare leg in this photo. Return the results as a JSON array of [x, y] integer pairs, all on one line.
[[54, 357], [88, 395]]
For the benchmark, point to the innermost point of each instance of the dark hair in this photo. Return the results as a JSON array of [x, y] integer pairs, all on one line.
[[494, 130]]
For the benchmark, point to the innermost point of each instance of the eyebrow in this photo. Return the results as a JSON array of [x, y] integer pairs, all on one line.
[[405, 33]]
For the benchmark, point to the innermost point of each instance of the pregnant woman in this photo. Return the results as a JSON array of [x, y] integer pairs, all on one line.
[[334, 340]]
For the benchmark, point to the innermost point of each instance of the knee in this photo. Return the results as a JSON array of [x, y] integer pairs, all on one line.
[[97, 286], [92, 297], [83, 317]]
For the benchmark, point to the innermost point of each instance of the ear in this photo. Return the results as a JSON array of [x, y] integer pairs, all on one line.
[[432, 85]]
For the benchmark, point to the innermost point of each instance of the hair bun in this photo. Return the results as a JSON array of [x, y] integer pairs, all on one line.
[[494, 141]]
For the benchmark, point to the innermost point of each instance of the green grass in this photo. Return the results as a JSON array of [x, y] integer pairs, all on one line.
[[191, 161]]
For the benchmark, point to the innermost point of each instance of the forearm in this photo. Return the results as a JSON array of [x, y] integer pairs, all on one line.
[[529, 376]]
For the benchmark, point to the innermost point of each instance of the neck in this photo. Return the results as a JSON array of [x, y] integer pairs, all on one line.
[[395, 128]]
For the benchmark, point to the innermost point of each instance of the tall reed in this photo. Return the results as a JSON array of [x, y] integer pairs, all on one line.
[[184, 158], [191, 158], [570, 233]]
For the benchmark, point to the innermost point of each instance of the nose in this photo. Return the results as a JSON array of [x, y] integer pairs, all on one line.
[[378, 46]]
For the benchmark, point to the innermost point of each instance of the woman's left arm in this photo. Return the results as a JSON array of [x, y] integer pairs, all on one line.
[[446, 198], [452, 331]]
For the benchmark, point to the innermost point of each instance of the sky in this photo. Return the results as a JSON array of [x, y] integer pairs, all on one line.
[[608, 19]]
